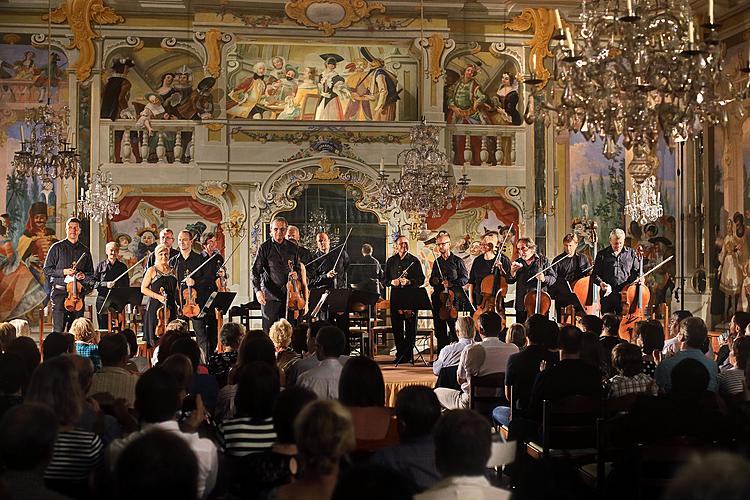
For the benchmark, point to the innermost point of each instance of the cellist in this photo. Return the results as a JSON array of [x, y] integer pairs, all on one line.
[[525, 267], [615, 268], [571, 266], [481, 267]]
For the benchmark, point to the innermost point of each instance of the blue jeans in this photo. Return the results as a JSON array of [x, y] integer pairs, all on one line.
[[501, 415]]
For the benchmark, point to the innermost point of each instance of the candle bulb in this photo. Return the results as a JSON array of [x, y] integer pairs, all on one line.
[[82, 193], [382, 166], [711, 11], [533, 63], [569, 37], [630, 7], [691, 32], [558, 20]]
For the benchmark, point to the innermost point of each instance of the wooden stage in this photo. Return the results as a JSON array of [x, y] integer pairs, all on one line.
[[396, 378]]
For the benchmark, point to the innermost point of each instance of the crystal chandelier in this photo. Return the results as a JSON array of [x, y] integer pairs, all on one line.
[[644, 205], [98, 201], [426, 185]]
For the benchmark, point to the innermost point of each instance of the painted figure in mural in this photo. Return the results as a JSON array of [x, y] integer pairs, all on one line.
[[243, 101], [308, 89], [289, 82], [50, 75], [26, 68], [506, 99], [466, 99], [126, 254], [183, 89], [383, 88], [19, 290], [36, 240], [166, 89], [732, 260], [358, 83], [199, 104], [332, 89], [278, 67], [116, 92], [147, 243], [152, 111]]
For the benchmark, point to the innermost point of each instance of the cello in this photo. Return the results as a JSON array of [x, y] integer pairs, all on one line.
[[74, 300], [539, 301], [584, 288], [494, 287], [446, 297], [635, 299]]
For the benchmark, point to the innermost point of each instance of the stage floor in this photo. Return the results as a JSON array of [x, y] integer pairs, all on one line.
[[396, 378]]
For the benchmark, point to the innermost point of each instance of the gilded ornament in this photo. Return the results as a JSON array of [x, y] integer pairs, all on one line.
[[542, 21], [212, 40], [326, 170], [330, 15]]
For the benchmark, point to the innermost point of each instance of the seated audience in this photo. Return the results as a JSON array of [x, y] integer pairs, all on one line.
[[713, 476], [594, 353], [175, 330], [483, 358], [136, 364], [157, 399], [362, 392], [732, 380], [77, 453], [203, 383], [87, 338], [649, 335], [450, 354], [323, 379], [592, 324], [57, 343], [695, 334], [113, 380], [251, 431], [737, 326], [27, 349], [516, 334], [368, 481], [22, 327], [299, 338], [220, 363], [7, 335], [281, 334], [157, 464], [610, 337], [417, 411], [324, 434], [627, 361], [672, 344], [27, 439], [310, 360], [13, 380], [463, 442], [92, 418]]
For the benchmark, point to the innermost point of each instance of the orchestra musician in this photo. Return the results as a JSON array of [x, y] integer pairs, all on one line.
[[293, 235], [166, 237], [59, 270], [202, 282], [216, 266], [403, 270], [330, 273], [448, 273], [525, 267], [270, 274], [105, 274], [481, 267], [368, 273], [571, 266], [615, 268], [157, 277]]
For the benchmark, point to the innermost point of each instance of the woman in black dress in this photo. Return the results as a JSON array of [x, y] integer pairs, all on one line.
[[158, 277]]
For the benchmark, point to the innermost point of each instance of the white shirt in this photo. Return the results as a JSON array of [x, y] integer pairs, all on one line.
[[205, 452], [323, 380], [485, 357], [450, 355], [463, 488]]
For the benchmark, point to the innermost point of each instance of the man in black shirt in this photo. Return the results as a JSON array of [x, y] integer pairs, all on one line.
[[367, 273], [527, 266], [403, 270], [329, 274], [570, 266], [60, 267], [292, 234], [105, 274], [448, 272], [270, 274], [615, 268], [166, 237], [481, 267]]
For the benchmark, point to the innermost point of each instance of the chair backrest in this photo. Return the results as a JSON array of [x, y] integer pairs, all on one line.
[[448, 378], [570, 423], [656, 463], [487, 392], [612, 407]]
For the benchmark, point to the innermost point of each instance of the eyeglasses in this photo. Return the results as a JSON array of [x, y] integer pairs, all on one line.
[[522, 249]]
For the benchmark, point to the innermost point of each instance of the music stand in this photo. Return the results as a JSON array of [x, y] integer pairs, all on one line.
[[414, 299], [218, 300], [317, 297], [118, 298]]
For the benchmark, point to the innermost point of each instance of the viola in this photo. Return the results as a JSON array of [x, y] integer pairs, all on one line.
[[407, 313], [446, 298], [74, 300], [635, 299], [162, 315], [190, 308], [295, 302]]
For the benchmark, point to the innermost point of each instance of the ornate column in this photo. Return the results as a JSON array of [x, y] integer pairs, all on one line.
[[407, 71], [433, 51]]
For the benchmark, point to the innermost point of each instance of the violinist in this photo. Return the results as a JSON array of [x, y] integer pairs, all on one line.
[[104, 275], [330, 273], [157, 277], [270, 273], [571, 266], [292, 234], [448, 274], [525, 267], [215, 270], [166, 237], [481, 267], [195, 289], [403, 270], [60, 268], [615, 268]]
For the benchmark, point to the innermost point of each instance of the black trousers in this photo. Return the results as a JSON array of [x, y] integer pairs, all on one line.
[[62, 318], [404, 335], [611, 303], [273, 311]]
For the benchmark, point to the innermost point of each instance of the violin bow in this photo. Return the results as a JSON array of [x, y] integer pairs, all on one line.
[[233, 250], [148, 254], [548, 267], [342, 248], [500, 248]]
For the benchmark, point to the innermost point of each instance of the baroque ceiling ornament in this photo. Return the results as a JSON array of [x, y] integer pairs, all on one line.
[[542, 21], [330, 15]]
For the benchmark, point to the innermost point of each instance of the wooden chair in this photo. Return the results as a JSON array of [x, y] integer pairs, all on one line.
[[568, 430], [487, 392], [448, 378], [656, 463]]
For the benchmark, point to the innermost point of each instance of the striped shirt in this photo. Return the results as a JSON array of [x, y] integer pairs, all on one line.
[[244, 435], [732, 381], [75, 455]]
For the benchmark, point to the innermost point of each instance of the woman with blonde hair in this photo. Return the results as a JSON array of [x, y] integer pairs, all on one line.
[[281, 335], [87, 341]]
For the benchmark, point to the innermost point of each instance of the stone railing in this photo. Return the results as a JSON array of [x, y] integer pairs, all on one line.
[[171, 142], [487, 145]]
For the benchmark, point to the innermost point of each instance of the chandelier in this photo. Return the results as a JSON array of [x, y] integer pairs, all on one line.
[[98, 201], [644, 205], [426, 185]]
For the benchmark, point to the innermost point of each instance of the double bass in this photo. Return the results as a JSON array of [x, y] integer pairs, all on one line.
[[494, 287]]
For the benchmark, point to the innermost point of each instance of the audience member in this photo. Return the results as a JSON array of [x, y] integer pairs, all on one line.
[[299, 338], [323, 379], [181, 368], [77, 453], [516, 334], [368, 481], [714, 476], [594, 353], [175, 330], [22, 327], [202, 383], [310, 360], [483, 358], [13, 380], [281, 334], [324, 434], [7, 334], [135, 364], [157, 399], [695, 334], [221, 363], [649, 335], [592, 324], [27, 349], [417, 411], [737, 325], [57, 343], [113, 380], [610, 336], [87, 338], [463, 443], [251, 431], [27, 439], [92, 418], [627, 360], [451, 354], [362, 392], [732, 381], [672, 345]]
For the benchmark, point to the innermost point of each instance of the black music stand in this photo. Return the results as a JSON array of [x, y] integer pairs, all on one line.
[[341, 300], [118, 298], [218, 300], [314, 300], [414, 299]]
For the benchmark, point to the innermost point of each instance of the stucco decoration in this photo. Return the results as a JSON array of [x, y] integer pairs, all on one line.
[[330, 15]]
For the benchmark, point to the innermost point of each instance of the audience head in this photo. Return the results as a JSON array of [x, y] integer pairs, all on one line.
[[694, 332], [650, 335], [158, 464], [178, 325], [535, 328], [83, 331], [675, 319], [490, 324], [741, 352], [593, 352], [592, 323], [361, 383], [417, 411], [181, 368], [713, 476], [231, 335], [689, 380], [114, 350], [157, 395], [281, 334], [132, 341], [369, 481], [57, 343], [254, 347], [312, 334], [299, 338], [570, 340], [7, 334], [463, 443], [465, 327], [516, 335], [330, 342], [22, 327], [55, 383], [611, 325], [551, 335], [167, 341], [257, 390], [324, 433], [13, 374], [289, 404], [26, 348], [627, 359], [85, 370], [27, 436], [189, 348], [740, 321]]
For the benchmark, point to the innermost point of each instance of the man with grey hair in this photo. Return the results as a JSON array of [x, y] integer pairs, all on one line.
[[293, 235], [451, 354], [615, 268], [106, 277]]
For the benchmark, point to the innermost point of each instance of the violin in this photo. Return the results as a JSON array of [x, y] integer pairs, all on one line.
[[537, 301], [190, 308], [635, 299], [221, 280], [74, 300], [493, 288], [295, 301], [447, 299], [406, 313], [162, 315]]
